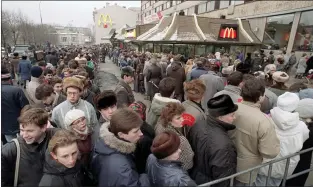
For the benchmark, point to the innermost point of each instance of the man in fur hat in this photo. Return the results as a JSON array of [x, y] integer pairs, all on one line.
[[73, 88]]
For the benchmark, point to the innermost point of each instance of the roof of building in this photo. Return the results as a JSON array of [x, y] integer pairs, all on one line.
[[192, 28]]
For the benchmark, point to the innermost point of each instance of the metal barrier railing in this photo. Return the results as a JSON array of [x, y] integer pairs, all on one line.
[[270, 164]]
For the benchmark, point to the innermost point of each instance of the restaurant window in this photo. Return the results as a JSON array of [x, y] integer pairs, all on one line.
[[224, 4], [157, 48], [277, 31], [304, 37], [148, 47], [191, 11], [167, 48], [210, 6], [209, 49], [64, 39], [200, 50], [202, 8]]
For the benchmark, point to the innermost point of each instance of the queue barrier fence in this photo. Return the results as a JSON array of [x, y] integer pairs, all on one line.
[[270, 164]]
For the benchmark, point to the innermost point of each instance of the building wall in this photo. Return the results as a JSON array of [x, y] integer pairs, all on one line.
[[119, 15]]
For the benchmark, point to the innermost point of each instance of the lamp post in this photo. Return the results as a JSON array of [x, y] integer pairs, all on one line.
[[40, 13]]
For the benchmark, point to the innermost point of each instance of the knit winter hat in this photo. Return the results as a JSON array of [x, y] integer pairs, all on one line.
[[280, 76], [36, 71], [305, 108], [165, 144], [71, 116], [288, 101], [227, 70], [194, 89], [72, 82]]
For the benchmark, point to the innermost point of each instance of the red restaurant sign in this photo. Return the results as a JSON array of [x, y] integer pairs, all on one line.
[[228, 32]]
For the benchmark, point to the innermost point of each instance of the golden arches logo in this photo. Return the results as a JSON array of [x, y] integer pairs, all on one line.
[[105, 20], [229, 31]]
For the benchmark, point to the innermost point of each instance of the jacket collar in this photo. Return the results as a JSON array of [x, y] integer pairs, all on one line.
[[198, 106], [225, 126], [75, 104], [115, 143], [254, 105], [34, 79], [158, 97], [126, 86], [234, 89]]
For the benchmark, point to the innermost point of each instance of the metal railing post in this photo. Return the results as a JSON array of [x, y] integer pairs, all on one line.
[[269, 174], [286, 172]]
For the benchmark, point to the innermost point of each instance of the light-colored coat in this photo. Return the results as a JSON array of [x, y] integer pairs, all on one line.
[[31, 90], [60, 111], [213, 84], [301, 66], [196, 111], [233, 92], [254, 137]]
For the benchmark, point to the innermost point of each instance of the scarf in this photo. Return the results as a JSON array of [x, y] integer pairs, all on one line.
[[82, 135]]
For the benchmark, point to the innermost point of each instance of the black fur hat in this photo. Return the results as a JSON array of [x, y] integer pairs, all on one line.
[[106, 99], [221, 105]]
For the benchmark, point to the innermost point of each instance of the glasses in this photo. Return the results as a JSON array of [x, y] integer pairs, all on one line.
[[79, 121], [72, 93]]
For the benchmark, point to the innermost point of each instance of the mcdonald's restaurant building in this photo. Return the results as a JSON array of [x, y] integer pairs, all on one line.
[[110, 19], [195, 35]]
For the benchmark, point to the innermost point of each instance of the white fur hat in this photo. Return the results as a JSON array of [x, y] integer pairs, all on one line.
[[280, 76], [71, 116], [305, 108], [270, 67], [288, 101]]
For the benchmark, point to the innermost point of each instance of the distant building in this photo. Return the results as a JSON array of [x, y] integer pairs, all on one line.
[[73, 35], [111, 18]]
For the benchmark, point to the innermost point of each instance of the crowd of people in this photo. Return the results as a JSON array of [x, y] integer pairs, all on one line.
[[210, 117]]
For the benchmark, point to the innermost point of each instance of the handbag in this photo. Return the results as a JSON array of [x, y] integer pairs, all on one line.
[[17, 162]]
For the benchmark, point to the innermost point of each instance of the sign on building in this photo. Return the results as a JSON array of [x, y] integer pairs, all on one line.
[[153, 17], [228, 32], [105, 21]]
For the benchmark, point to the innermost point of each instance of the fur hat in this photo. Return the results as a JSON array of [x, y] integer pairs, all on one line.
[[288, 101], [36, 71], [227, 70], [221, 105], [270, 67], [194, 89], [71, 116], [280, 76], [72, 82], [304, 108], [105, 99], [165, 144]]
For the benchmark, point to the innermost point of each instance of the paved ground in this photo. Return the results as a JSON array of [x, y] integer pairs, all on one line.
[[109, 75]]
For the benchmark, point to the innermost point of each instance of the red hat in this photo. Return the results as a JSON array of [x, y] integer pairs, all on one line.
[[165, 144]]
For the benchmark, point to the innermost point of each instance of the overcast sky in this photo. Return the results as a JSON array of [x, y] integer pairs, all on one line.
[[76, 13]]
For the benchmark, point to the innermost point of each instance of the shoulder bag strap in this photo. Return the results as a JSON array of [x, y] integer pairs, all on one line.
[[17, 163]]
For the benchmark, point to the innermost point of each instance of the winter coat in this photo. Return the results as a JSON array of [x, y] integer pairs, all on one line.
[[255, 64], [301, 66], [31, 161], [225, 61], [154, 77], [163, 66], [306, 93], [277, 91], [177, 72], [215, 153], [292, 133], [56, 174], [292, 60], [31, 90], [271, 59], [197, 72], [13, 100], [309, 64], [53, 59], [24, 69], [269, 102], [213, 84], [15, 62], [59, 112], [124, 94], [186, 156], [167, 173], [303, 163], [59, 98], [254, 137], [233, 91], [113, 162], [196, 110], [158, 103], [143, 147]]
